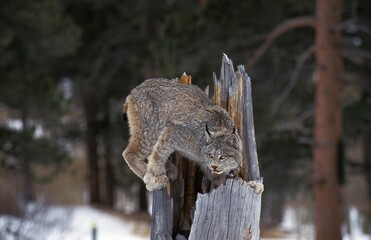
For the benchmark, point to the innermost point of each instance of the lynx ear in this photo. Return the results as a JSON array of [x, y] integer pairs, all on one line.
[[209, 134], [234, 130], [234, 141]]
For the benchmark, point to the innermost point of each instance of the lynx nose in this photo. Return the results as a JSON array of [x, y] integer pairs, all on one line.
[[215, 169]]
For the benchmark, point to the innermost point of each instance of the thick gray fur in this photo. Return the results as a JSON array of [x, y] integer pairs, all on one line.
[[166, 116]]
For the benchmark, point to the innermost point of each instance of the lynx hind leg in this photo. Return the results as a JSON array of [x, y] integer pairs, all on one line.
[[134, 154], [155, 177], [135, 158]]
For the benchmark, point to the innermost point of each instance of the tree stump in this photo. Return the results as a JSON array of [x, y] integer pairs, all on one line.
[[231, 211]]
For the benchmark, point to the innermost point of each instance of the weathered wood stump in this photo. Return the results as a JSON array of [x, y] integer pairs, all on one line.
[[162, 219], [231, 211]]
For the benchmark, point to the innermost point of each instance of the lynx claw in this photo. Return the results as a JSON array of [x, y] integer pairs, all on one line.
[[257, 186], [154, 182]]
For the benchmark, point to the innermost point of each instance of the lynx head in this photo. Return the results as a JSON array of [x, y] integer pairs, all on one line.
[[222, 152]]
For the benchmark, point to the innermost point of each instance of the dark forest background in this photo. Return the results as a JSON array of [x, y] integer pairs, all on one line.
[[66, 67]]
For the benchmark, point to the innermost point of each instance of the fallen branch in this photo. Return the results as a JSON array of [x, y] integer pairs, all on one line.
[[279, 30], [294, 78]]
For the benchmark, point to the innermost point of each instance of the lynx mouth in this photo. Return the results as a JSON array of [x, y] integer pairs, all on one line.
[[218, 172]]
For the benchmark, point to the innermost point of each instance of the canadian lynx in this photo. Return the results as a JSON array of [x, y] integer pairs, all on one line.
[[166, 116]]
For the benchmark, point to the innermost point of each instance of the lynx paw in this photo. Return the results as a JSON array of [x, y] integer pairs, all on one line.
[[154, 182], [257, 186]]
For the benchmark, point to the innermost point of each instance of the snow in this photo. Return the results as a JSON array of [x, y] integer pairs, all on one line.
[[355, 222], [108, 226], [72, 223], [292, 224], [289, 219], [76, 223]]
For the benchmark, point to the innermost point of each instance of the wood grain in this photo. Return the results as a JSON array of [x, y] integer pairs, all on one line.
[[231, 211]]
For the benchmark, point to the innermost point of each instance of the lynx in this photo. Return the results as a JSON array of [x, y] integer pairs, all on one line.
[[166, 116]]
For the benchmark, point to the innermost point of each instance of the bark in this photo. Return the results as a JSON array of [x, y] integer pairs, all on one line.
[[328, 123], [162, 216], [91, 145], [227, 213]]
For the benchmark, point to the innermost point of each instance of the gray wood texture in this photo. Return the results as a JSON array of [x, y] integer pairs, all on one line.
[[249, 142], [162, 219], [231, 211]]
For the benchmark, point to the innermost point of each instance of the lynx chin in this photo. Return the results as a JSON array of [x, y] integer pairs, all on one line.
[[166, 116]]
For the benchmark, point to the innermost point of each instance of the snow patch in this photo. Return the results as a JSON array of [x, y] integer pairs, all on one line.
[[59, 223]]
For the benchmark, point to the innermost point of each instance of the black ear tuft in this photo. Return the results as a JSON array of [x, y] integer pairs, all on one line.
[[234, 130], [207, 133], [207, 129]]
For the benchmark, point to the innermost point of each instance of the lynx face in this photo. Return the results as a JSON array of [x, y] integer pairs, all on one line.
[[222, 154]]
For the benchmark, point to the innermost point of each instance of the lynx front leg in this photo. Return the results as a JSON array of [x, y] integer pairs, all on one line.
[[257, 186], [135, 158], [155, 177]]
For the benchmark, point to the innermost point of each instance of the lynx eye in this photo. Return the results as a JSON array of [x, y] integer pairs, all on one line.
[[222, 157], [210, 156]]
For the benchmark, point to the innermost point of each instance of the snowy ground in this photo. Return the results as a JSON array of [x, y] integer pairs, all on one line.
[[291, 224], [59, 223], [108, 226], [76, 223]]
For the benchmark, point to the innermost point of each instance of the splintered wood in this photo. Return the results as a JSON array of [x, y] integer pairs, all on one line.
[[233, 92], [227, 213], [232, 211], [185, 79]]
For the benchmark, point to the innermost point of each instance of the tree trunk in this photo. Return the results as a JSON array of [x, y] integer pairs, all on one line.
[[143, 206], [162, 216], [229, 212], [108, 171], [272, 210], [27, 181], [91, 145], [27, 184], [328, 123], [367, 162]]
